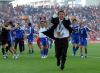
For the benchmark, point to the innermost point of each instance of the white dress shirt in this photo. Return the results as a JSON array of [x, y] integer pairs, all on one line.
[[63, 31]]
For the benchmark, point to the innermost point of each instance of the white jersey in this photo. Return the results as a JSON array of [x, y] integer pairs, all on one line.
[[42, 29]]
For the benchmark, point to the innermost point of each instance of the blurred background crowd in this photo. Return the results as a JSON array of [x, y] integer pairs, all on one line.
[[19, 14]]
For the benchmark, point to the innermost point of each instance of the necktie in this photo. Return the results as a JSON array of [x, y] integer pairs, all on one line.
[[61, 28]]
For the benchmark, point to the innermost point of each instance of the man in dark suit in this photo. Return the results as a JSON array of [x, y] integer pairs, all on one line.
[[60, 32]]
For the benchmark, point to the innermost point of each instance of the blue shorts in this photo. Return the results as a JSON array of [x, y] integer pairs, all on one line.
[[75, 40], [83, 42], [30, 39], [43, 41], [10, 44]]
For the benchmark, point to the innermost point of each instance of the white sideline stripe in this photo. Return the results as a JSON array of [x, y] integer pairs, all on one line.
[[97, 57], [94, 57]]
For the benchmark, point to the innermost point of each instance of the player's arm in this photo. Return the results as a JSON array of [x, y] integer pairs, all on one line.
[[46, 24], [38, 26], [89, 30], [7, 27]]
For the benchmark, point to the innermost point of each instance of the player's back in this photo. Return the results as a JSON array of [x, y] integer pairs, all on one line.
[[76, 30]]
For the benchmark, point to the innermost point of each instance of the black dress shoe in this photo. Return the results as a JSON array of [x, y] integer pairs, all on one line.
[[58, 63], [62, 67]]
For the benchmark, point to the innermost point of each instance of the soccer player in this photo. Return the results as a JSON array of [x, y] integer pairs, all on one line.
[[10, 40], [83, 32], [75, 36], [19, 38], [43, 39], [30, 38], [4, 39]]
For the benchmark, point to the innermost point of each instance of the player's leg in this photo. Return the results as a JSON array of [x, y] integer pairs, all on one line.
[[50, 41], [81, 51], [46, 47], [74, 45], [23, 46], [20, 45], [15, 55], [81, 47], [77, 47], [4, 51], [44, 43], [42, 47], [4, 45], [42, 51], [12, 49], [74, 49], [77, 44], [16, 43], [85, 47], [30, 45], [85, 51]]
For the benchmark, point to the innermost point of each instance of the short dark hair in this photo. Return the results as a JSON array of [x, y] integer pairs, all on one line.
[[29, 24], [61, 11], [11, 23]]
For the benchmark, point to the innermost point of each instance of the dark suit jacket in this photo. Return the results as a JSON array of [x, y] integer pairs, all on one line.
[[55, 22]]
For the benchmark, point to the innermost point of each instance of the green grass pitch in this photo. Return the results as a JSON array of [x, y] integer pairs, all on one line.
[[34, 64]]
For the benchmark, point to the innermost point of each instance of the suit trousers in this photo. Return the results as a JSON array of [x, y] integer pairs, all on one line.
[[61, 47], [19, 41]]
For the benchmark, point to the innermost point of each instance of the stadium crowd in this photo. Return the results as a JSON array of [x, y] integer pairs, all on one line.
[[91, 15]]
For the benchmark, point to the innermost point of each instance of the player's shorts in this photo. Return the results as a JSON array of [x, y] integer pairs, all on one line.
[[3, 41], [75, 40], [10, 44], [30, 39], [44, 41], [83, 42]]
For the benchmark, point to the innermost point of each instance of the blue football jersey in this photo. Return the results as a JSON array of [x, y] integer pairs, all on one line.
[[30, 32], [83, 31]]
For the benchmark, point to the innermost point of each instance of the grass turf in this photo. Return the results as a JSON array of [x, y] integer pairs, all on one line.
[[34, 64]]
